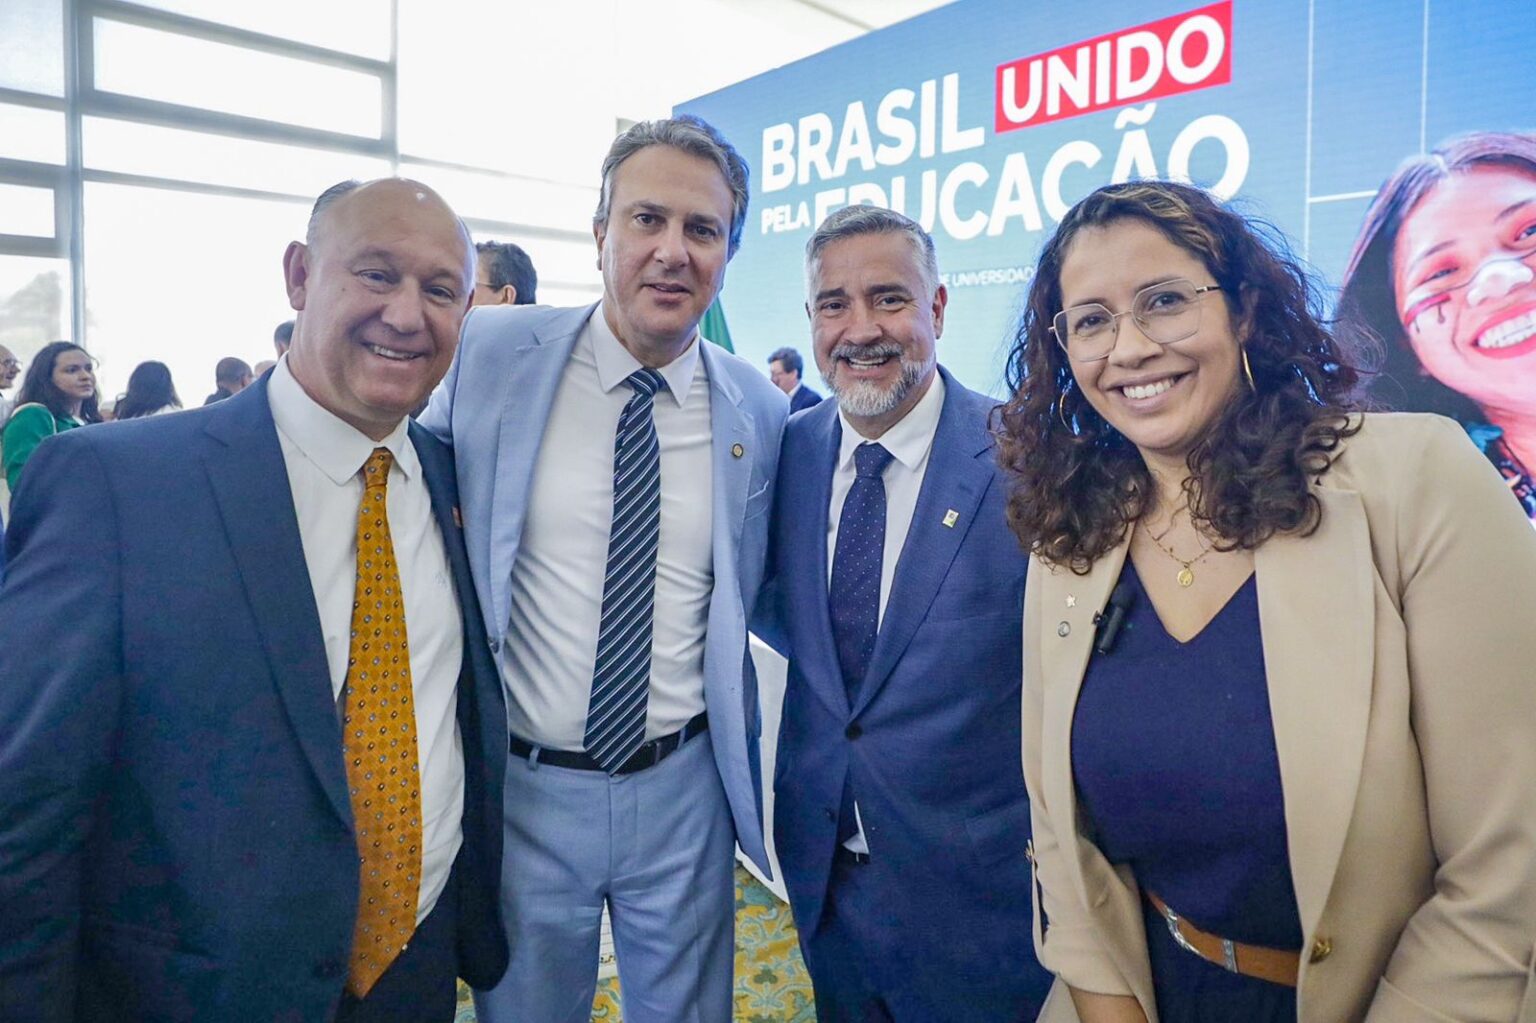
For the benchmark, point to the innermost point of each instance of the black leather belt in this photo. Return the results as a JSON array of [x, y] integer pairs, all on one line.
[[648, 755]]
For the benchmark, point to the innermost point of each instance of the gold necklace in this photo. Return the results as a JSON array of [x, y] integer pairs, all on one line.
[[1186, 574]]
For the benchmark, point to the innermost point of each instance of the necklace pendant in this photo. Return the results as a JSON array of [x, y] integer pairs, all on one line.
[[1186, 577]]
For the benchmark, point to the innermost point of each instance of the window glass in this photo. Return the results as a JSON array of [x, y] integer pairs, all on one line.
[[183, 278], [32, 46], [151, 64], [514, 200], [569, 296], [34, 304], [480, 84], [28, 133], [153, 151], [351, 26], [26, 210]]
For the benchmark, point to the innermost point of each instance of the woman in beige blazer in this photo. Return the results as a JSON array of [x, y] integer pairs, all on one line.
[[1182, 420]]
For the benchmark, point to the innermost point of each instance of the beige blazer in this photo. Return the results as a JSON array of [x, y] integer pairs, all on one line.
[[1400, 647]]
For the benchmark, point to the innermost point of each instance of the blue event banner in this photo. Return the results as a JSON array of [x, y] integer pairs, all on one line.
[[986, 119]]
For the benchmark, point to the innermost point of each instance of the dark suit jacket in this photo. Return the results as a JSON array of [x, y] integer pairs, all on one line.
[[932, 740], [176, 837], [803, 399]]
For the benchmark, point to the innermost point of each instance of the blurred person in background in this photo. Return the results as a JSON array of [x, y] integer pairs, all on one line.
[[1279, 720], [150, 393], [282, 338], [57, 394], [785, 368], [10, 369], [504, 275], [232, 376], [260, 369]]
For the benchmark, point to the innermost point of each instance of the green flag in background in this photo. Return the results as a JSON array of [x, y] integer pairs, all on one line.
[[713, 326]]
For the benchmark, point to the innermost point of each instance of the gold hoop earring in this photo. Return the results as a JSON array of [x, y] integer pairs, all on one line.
[[1248, 371], [1061, 411]]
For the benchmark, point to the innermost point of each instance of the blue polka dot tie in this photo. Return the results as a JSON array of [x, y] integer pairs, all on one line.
[[855, 591]]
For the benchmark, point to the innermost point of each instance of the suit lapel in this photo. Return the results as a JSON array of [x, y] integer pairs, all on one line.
[[250, 483], [730, 431], [1317, 606], [810, 542], [1065, 620], [533, 376], [958, 474], [437, 471]]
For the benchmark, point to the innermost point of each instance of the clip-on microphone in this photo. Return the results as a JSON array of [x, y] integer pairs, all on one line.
[[1110, 620]]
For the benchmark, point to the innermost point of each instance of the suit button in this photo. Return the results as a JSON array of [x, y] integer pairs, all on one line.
[[1322, 948], [329, 969], [853, 731]]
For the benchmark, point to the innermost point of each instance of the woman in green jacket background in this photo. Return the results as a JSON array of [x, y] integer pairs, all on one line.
[[57, 394]]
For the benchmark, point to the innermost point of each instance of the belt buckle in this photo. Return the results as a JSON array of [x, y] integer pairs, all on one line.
[[1228, 949]]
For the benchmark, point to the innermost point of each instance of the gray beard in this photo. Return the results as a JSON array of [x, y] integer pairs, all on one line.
[[866, 400]]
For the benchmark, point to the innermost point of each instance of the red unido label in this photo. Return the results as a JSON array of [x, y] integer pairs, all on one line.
[[1179, 54]]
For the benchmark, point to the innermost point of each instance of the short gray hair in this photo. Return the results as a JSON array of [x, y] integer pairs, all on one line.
[[691, 135], [852, 221], [326, 200]]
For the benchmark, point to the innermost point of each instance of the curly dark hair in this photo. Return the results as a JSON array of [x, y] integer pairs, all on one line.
[[1078, 482]]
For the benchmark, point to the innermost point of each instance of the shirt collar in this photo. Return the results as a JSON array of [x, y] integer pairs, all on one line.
[[338, 449], [615, 363], [909, 440]]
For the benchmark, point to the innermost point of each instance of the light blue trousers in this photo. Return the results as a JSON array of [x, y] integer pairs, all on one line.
[[659, 847]]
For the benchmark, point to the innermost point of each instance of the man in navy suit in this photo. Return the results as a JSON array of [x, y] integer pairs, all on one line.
[[785, 368], [215, 749], [901, 818]]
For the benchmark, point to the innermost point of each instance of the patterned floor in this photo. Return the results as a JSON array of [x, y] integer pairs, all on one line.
[[771, 984]]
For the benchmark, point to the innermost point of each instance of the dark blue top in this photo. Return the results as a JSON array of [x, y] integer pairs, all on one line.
[[1173, 755]]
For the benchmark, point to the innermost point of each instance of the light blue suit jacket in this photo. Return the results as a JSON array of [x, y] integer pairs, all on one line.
[[492, 408]]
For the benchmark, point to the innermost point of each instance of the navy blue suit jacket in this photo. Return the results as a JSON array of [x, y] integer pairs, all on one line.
[[176, 837], [804, 398], [932, 741]]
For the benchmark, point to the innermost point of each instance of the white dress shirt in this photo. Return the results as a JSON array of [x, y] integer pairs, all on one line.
[[910, 441], [325, 457], [562, 558]]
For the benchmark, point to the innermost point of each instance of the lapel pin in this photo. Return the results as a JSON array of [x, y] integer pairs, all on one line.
[[1071, 600], [737, 450], [458, 519], [951, 517]]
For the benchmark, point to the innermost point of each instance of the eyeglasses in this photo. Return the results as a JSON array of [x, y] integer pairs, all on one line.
[[9, 364], [1437, 291], [1165, 312]]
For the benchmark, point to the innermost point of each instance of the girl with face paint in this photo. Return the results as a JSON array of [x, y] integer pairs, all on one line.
[[1444, 273]]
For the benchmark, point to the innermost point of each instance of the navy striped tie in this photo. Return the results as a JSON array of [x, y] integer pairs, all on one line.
[[621, 677]]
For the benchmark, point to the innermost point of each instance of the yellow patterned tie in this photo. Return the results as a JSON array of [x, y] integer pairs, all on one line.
[[379, 741]]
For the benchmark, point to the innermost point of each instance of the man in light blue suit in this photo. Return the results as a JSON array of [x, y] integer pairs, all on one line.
[[616, 473], [901, 819]]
